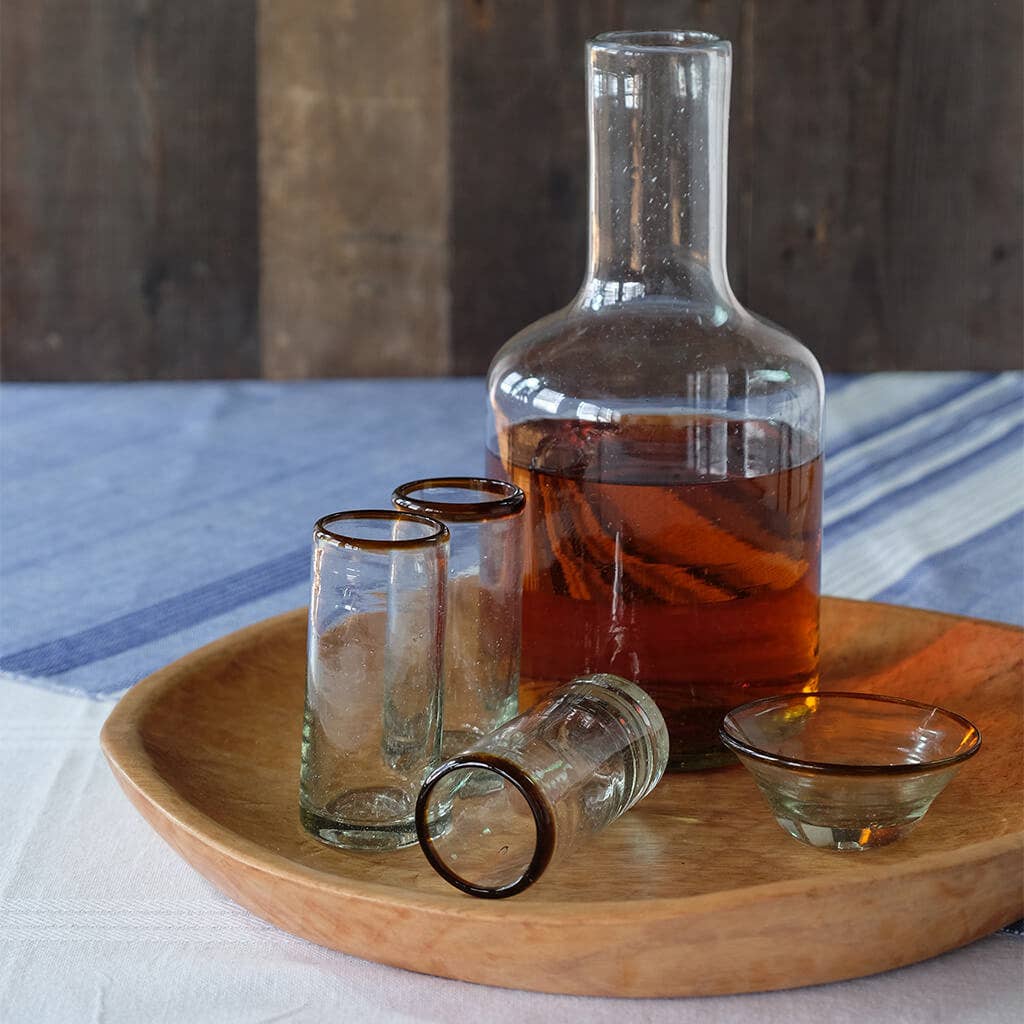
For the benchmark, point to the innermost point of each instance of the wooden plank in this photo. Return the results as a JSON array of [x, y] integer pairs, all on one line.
[[954, 190], [129, 190], [887, 200], [353, 103], [518, 165]]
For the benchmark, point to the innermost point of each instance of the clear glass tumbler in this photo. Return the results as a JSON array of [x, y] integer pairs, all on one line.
[[372, 728], [536, 786], [484, 621]]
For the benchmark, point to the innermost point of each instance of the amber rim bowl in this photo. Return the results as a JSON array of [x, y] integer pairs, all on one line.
[[849, 771]]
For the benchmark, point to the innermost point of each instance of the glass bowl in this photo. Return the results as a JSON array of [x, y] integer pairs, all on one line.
[[848, 771]]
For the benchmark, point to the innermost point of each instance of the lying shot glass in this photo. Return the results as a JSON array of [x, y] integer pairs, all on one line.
[[372, 727], [484, 620], [538, 785]]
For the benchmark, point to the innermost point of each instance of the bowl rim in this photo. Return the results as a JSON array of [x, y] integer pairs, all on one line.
[[741, 746]]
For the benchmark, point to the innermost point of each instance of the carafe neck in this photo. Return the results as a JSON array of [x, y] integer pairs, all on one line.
[[658, 105]]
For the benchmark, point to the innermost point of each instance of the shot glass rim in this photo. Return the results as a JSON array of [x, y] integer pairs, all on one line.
[[746, 749], [543, 819], [322, 530], [512, 502]]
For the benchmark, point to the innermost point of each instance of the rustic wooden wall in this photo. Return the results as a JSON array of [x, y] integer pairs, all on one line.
[[418, 192], [129, 207]]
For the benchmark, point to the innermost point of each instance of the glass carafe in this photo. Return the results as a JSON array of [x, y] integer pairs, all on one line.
[[667, 439]]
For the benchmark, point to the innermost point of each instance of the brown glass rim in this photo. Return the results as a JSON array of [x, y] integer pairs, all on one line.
[[322, 530], [543, 818], [665, 40], [511, 502], [740, 746]]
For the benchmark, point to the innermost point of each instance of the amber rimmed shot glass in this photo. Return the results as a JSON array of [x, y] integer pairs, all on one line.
[[537, 786], [372, 727], [484, 613], [849, 771]]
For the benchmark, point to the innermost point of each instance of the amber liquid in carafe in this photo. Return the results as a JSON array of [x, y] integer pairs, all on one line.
[[657, 549]]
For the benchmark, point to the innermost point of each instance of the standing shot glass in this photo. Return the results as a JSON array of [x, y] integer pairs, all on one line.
[[538, 785], [484, 620], [372, 727]]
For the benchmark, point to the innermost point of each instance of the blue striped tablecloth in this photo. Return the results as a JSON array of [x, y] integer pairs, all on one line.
[[139, 521]]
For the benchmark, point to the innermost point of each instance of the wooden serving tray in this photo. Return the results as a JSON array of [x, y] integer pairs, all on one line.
[[697, 891]]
